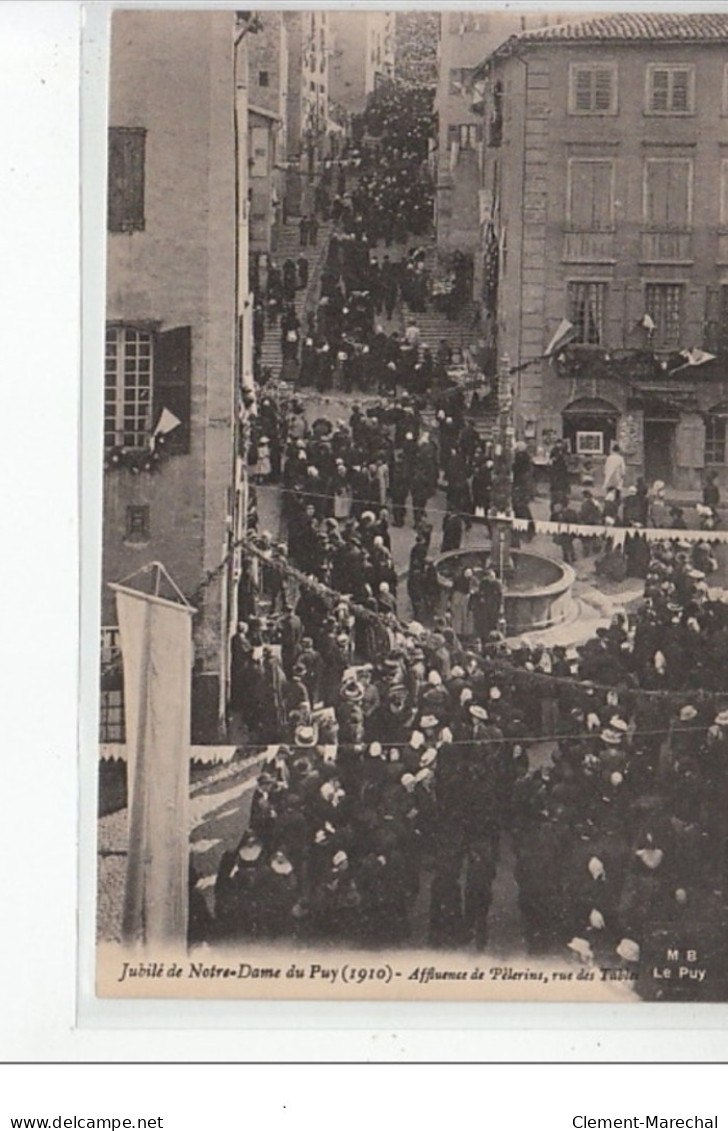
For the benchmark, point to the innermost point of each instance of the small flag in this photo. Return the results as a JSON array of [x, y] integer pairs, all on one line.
[[167, 423], [647, 323], [696, 356], [565, 333], [693, 357]]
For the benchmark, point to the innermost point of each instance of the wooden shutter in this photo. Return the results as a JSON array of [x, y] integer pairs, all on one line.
[[680, 91], [590, 195], [711, 330], [603, 89], [724, 191], [583, 88], [125, 203], [172, 383], [667, 196], [678, 194], [614, 316], [690, 441], [660, 90]]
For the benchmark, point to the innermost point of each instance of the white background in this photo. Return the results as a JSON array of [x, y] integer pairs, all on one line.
[[39, 616]]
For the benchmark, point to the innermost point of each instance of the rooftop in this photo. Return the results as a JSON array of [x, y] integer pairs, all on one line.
[[625, 27]]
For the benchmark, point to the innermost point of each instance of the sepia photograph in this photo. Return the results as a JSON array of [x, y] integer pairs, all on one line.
[[413, 668]]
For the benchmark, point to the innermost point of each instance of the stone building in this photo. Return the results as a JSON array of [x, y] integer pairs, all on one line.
[[465, 39], [174, 324], [307, 121], [267, 140], [362, 56], [605, 179]]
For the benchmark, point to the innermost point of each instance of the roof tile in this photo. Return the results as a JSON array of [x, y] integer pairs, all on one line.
[[673, 27]]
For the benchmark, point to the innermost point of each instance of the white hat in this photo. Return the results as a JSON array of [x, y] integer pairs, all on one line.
[[651, 857], [582, 948], [478, 712], [596, 868], [281, 865], [408, 781], [616, 723], [629, 950], [434, 678], [687, 713], [428, 721], [340, 859], [721, 719], [427, 758]]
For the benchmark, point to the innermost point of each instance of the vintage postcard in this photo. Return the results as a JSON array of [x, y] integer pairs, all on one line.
[[414, 641]]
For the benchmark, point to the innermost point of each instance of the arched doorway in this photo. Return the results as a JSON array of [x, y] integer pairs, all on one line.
[[590, 426]]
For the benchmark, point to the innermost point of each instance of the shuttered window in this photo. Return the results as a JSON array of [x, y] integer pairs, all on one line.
[[668, 193], [144, 374], [670, 89], [590, 194], [592, 89], [125, 212]]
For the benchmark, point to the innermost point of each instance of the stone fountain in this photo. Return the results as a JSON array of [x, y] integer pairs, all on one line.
[[537, 589]]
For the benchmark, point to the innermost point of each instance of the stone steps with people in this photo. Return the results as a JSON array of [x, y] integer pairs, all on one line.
[[289, 247], [434, 326]]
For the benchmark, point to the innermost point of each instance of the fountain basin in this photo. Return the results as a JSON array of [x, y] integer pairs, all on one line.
[[537, 596]]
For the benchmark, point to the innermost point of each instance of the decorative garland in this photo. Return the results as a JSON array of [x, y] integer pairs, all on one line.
[[135, 461]]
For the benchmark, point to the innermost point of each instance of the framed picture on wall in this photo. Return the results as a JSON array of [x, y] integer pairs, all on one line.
[[590, 443]]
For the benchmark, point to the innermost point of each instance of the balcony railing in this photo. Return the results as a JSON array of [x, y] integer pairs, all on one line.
[[589, 247], [666, 247]]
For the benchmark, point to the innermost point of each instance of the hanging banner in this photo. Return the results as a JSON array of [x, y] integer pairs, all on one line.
[[156, 645]]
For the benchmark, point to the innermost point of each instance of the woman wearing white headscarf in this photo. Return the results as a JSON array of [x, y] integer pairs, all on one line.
[[658, 511]]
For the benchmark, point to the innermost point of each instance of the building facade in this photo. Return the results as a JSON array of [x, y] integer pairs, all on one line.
[[173, 330], [362, 56], [605, 169], [267, 136], [466, 38], [307, 103]]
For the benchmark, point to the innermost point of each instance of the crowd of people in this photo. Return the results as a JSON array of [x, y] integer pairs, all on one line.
[[408, 745], [416, 43], [407, 754]]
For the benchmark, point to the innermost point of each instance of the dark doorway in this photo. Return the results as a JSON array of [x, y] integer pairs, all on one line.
[[659, 450]]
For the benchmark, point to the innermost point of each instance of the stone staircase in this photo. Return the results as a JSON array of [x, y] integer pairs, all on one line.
[[289, 246], [434, 326]]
